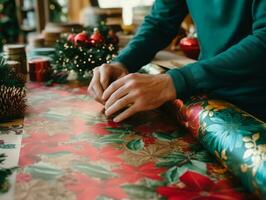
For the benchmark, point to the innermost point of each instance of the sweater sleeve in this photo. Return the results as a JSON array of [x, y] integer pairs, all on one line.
[[237, 64], [157, 31]]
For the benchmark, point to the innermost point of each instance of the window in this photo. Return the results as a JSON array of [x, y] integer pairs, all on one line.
[[123, 3], [127, 6]]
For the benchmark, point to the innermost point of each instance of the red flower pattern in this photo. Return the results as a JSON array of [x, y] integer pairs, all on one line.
[[193, 118], [133, 174], [148, 140], [199, 187], [88, 188], [22, 177], [101, 128], [107, 153], [192, 185], [42, 143], [189, 115]]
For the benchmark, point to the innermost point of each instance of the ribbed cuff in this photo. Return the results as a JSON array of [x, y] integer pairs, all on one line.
[[131, 60], [125, 62], [182, 79]]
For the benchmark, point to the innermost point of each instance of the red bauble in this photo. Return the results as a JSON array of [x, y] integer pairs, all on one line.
[[82, 38], [96, 37], [71, 38], [190, 46]]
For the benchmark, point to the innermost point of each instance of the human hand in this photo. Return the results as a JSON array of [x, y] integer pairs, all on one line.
[[137, 92], [103, 76]]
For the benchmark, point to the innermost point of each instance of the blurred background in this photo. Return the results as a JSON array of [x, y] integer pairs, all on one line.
[[29, 21]]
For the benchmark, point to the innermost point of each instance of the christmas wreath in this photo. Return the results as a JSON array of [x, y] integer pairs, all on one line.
[[77, 54]]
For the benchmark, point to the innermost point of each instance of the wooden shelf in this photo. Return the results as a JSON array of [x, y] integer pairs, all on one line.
[[40, 9], [22, 15]]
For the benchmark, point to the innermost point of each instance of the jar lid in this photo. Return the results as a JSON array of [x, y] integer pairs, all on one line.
[[14, 48], [12, 62], [38, 60]]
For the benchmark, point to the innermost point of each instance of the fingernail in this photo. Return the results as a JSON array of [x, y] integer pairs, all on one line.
[[103, 97], [106, 112], [117, 119]]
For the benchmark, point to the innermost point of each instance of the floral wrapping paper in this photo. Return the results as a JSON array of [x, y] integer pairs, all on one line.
[[237, 139], [70, 150], [10, 143]]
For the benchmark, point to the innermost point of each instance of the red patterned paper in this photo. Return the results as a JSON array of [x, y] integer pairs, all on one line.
[[70, 150]]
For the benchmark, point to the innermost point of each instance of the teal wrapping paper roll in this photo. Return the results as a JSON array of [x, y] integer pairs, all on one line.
[[235, 137]]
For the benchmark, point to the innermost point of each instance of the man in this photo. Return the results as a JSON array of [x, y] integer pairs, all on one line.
[[232, 64]]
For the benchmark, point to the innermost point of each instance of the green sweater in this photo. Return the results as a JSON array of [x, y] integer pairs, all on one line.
[[232, 36]]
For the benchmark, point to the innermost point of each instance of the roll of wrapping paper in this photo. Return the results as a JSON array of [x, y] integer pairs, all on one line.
[[39, 69], [236, 138]]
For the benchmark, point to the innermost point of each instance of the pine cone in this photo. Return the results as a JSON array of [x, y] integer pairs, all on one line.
[[12, 102]]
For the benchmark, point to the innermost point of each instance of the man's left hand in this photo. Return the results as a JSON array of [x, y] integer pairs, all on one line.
[[136, 93]]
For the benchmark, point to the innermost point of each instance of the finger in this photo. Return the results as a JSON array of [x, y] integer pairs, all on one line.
[[90, 90], [119, 105], [92, 94], [97, 87], [93, 90], [97, 98], [113, 87], [104, 76], [118, 94], [126, 114]]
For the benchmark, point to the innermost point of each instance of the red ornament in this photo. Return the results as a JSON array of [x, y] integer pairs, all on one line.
[[71, 38], [82, 38], [96, 37], [190, 46]]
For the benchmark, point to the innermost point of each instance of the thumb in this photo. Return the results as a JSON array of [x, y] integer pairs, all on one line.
[[105, 74]]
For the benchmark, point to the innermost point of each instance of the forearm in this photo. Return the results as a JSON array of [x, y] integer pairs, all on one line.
[[157, 31], [238, 64]]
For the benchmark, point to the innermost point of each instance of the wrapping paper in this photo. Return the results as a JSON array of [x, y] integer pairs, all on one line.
[[10, 143], [70, 150], [237, 139]]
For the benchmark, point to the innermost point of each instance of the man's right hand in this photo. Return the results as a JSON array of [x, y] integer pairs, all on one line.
[[103, 76]]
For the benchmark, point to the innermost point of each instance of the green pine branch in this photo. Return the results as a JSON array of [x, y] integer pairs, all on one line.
[[4, 174], [8, 19], [82, 58]]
